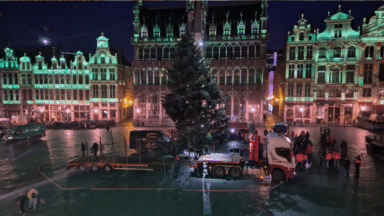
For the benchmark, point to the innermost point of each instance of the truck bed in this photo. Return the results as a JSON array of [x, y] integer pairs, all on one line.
[[220, 158]]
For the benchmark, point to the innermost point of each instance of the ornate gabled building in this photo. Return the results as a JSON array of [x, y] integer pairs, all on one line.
[[82, 90], [334, 75], [372, 64], [234, 39]]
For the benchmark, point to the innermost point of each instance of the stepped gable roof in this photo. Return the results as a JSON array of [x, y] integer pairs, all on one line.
[[248, 10]]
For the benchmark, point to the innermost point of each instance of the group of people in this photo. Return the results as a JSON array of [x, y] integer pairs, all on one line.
[[333, 157], [302, 148], [95, 148], [33, 198]]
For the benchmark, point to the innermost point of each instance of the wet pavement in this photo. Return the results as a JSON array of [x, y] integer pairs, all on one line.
[[322, 192]]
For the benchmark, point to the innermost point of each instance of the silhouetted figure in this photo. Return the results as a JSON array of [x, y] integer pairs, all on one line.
[[83, 148], [95, 148]]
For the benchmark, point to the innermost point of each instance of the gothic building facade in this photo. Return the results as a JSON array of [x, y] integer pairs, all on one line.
[[83, 90], [233, 38], [334, 75]]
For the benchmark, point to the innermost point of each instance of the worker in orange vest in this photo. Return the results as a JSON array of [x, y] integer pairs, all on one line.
[[328, 157], [357, 166], [336, 159], [299, 159]]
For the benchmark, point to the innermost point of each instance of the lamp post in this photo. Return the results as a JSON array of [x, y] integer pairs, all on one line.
[[301, 111], [68, 114], [41, 114]]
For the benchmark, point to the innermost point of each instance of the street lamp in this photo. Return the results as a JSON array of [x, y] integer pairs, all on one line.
[[68, 114], [301, 110], [42, 113], [138, 110]]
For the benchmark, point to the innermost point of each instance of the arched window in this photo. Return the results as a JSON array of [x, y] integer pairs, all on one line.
[[157, 77], [141, 53], [230, 52], [301, 36], [223, 53], [208, 52], [146, 53], [259, 76], [143, 77], [337, 52], [153, 53], [159, 53], [369, 52], [244, 50], [150, 77], [215, 52], [154, 112], [258, 50], [237, 51], [142, 106], [310, 37], [137, 77], [381, 52], [237, 77], [229, 77], [251, 51], [166, 53], [293, 38], [323, 52], [351, 52], [243, 78], [163, 77], [251, 77], [222, 78]]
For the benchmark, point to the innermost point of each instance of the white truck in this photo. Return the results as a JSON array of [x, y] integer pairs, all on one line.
[[277, 159]]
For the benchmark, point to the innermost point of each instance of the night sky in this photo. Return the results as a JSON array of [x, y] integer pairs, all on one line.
[[75, 26]]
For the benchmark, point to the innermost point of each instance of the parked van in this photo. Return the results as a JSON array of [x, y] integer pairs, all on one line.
[[149, 142], [21, 132]]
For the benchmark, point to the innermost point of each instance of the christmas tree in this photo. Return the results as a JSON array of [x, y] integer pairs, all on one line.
[[194, 100]]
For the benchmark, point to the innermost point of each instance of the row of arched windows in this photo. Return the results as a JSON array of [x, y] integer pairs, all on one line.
[[229, 51], [151, 105], [225, 77], [225, 51], [155, 52]]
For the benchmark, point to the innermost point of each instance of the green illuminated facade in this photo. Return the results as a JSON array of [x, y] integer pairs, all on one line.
[[334, 75], [233, 38], [83, 90]]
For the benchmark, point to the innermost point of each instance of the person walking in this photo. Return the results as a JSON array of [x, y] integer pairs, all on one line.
[[292, 136], [83, 148], [32, 196], [328, 157], [206, 149], [21, 201], [177, 167], [357, 166], [346, 165], [336, 159], [307, 135], [95, 148], [107, 129]]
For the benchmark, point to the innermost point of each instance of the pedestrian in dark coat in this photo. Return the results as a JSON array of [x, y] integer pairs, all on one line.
[[83, 148], [21, 201], [307, 135], [265, 132], [346, 165], [95, 148]]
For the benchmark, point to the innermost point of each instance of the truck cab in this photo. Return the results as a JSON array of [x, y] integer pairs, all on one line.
[[280, 157]]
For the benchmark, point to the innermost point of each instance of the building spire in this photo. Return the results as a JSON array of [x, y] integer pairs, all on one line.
[[302, 16], [227, 14]]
